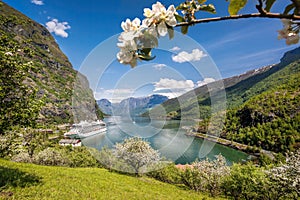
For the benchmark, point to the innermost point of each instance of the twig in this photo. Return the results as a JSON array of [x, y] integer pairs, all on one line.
[[259, 7], [297, 5], [243, 16]]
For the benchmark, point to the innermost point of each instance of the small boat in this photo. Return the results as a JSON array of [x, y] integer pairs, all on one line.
[[86, 129]]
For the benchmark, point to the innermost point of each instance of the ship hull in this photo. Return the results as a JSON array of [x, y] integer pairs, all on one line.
[[86, 129], [72, 136], [89, 134]]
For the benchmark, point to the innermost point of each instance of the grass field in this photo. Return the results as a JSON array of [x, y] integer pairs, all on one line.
[[28, 181]]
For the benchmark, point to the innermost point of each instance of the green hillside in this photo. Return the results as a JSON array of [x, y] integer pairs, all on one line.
[[271, 119], [30, 55], [264, 109], [262, 106], [28, 181], [187, 104], [239, 89]]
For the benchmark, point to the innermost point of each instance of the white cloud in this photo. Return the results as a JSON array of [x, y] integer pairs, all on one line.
[[58, 28], [172, 88], [175, 49], [159, 66], [170, 95], [205, 81], [114, 95], [184, 56], [165, 83], [37, 2]]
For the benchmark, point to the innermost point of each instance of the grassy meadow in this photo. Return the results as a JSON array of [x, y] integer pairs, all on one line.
[[29, 181]]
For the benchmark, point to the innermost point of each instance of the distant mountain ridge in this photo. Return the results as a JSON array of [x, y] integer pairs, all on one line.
[[131, 106], [105, 105], [199, 96]]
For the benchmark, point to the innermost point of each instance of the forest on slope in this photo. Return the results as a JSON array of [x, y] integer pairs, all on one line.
[[37, 79], [262, 106]]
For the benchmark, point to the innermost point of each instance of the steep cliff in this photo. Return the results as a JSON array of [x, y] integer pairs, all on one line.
[[52, 75]]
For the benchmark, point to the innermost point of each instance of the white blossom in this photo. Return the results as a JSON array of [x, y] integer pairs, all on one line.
[[152, 30], [128, 36], [287, 33], [8, 53], [171, 20], [287, 176], [148, 12], [286, 23], [160, 16], [292, 38], [129, 25], [136, 35], [127, 44], [162, 29], [127, 54], [137, 153]]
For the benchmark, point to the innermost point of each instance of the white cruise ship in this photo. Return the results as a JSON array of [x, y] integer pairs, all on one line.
[[86, 129]]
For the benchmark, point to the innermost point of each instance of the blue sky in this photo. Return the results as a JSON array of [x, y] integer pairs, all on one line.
[[228, 48]]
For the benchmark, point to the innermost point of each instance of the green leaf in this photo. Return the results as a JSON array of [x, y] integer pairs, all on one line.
[[146, 51], [133, 63], [171, 33], [269, 4], [182, 6], [194, 6], [152, 41], [235, 6], [208, 8], [288, 8], [296, 11], [179, 18], [146, 57], [201, 1], [184, 29]]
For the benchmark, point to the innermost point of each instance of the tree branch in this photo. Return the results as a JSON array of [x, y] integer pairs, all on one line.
[[259, 7], [243, 16], [297, 5]]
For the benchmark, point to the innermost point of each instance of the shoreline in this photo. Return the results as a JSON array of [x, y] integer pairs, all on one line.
[[231, 144]]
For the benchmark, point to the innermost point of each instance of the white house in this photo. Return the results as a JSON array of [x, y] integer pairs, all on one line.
[[72, 142]]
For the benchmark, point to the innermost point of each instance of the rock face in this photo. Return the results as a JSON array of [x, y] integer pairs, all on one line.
[[105, 105], [131, 106], [54, 77]]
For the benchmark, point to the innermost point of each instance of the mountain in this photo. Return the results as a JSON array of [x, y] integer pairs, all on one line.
[[131, 106], [270, 118], [263, 106], [105, 105], [189, 104], [239, 89], [61, 94]]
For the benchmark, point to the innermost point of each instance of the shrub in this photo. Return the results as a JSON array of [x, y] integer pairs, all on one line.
[[245, 182], [285, 179], [106, 158], [193, 179], [22, 157], [137, 154], [10, 144], [80, 157], [206, 175], [51, 156], [165, 172]]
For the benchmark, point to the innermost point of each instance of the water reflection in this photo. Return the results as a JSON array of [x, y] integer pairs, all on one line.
[[166, 136]]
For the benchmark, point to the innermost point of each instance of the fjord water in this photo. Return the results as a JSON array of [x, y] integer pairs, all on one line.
[[168, 137]]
